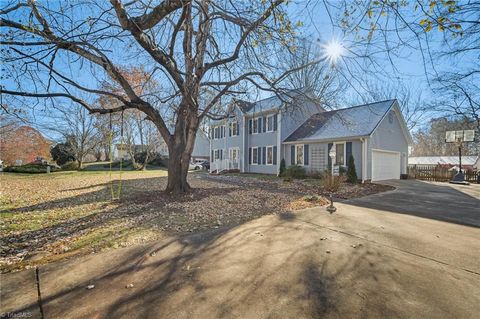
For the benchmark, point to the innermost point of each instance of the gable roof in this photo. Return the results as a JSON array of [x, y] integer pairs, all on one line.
[[449, 160], [356, 121]]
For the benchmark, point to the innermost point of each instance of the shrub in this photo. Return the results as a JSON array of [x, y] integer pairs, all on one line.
[[332, 183], [283, 168], [311, 198], [316, 175], [30, 168], [296, 171], [63, 153], [70, 166], [351, 172]]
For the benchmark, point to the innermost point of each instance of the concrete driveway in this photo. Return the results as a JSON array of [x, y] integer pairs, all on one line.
[[440, 201], [357, 263]]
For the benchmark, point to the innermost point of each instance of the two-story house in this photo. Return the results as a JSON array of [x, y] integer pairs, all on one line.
[[255, 137], [250, 138]]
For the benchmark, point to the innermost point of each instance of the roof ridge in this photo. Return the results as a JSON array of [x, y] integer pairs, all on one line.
[[366, 104]]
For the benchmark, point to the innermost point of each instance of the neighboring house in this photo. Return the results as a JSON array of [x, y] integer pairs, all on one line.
[[254, 140], [469, 162], [201, 147], [23, 145]]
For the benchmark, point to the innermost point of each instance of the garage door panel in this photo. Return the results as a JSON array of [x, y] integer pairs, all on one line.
[[385, 165]]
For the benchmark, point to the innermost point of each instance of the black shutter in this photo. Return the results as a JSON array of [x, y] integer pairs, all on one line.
[[259, 125], [292, 154], [237, 129], [274, 155], [348, 152], [250, 123], [275, 125], [264, 155], [264, 124], [305, 154], [330, 145], [259, 155], [229, 129], [250, 155], [221, 154], [212, 158]]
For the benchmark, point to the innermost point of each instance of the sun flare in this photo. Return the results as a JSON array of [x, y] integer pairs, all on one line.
[[333, 51]]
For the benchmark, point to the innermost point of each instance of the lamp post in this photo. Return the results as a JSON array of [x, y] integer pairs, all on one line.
[[333, 154]]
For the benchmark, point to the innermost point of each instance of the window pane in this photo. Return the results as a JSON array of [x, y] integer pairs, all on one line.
[[269, 155], [255, 123], [340, 154], [299, 154], [270, 123], [255, 155]]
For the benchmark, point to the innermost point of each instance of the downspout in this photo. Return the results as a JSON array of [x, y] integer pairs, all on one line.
[[279, 141], [210, 147], [364, 159], [243, 143]]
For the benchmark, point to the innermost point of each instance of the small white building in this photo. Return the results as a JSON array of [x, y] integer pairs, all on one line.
[[468, 161]]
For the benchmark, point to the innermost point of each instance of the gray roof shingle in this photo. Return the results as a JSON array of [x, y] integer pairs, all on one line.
[[354, 121]]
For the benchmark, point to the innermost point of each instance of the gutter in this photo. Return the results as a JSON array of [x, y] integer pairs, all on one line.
[[343, 138]]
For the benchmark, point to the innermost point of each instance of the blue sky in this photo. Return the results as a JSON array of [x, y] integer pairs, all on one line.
[[316, 25]]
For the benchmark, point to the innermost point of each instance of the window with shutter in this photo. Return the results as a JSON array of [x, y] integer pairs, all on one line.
[[348, 152], [270, 155], [274, 155]]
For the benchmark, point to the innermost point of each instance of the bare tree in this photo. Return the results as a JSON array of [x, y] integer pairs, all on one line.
[[444, 35], [320, 81], [413, 107], [140, 139], [188, 46], [430, 140], [77, 128]]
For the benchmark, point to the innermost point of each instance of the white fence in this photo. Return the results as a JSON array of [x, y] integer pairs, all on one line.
[[225, 164]]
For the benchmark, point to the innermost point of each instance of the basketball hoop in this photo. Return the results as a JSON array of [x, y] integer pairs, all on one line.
[[459, 137]]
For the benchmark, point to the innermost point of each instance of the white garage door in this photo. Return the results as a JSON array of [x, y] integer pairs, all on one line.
[[385, 165]]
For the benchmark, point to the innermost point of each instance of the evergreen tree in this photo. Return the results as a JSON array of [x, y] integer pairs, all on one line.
[[351, 172], [283, 168]]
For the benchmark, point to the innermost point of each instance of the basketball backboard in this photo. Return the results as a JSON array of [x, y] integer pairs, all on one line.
[[459, 136]]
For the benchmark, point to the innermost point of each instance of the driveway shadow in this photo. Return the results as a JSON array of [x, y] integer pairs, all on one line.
[[441, 202], [247, 271]]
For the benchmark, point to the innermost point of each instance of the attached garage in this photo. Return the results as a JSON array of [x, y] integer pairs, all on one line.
[[385, 165]]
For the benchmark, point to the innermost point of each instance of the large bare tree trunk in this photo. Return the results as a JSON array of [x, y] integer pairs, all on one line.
[[180, 152]]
